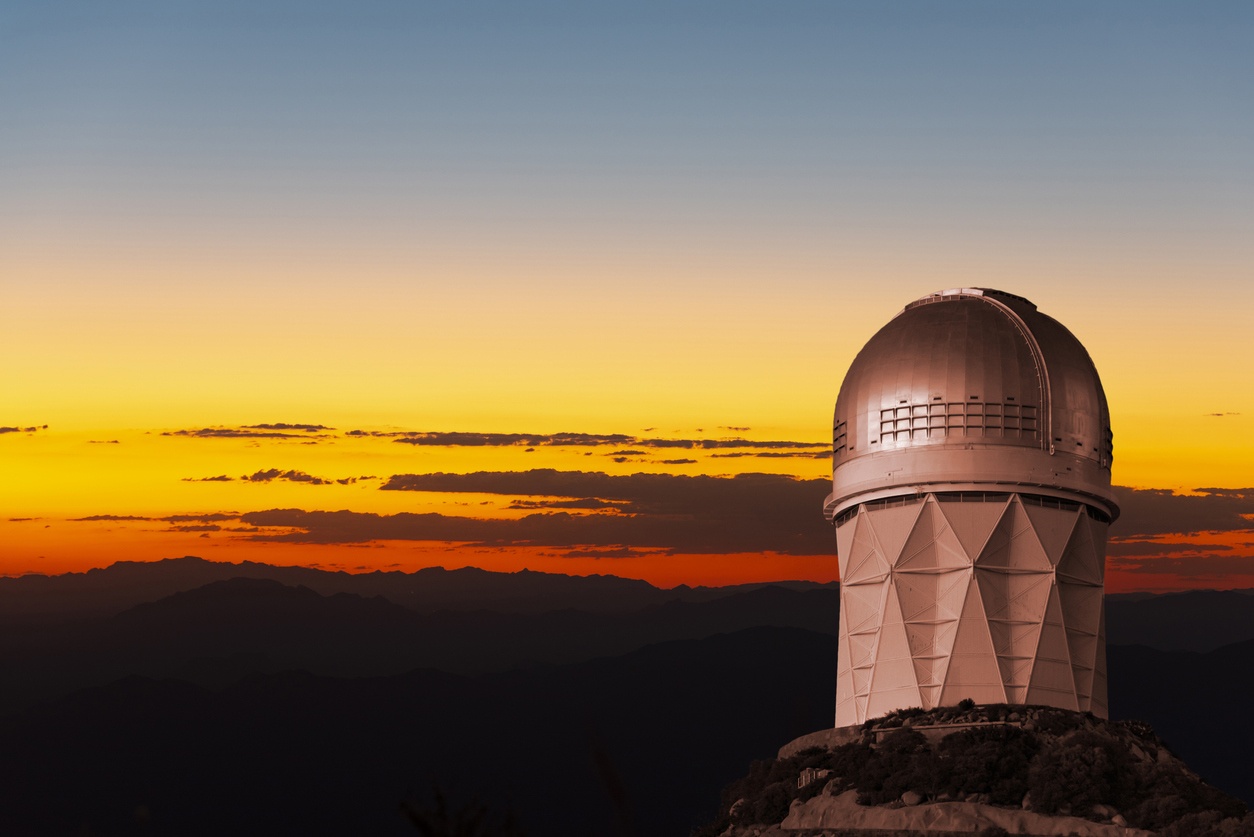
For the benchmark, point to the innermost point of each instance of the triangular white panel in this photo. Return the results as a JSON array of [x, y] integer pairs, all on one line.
[[1053, 681], [1014, 640], [1081, 606], [866, 561], [931, 596], [972, 522], [932, 639], [972, 670], [862, 680], [1053, 527], [893, 684], [892, 527], [931, 696], [862, 650], [932, 545], [859, 703], [1081, 560], [862, 605], [1014, 597], [844, 542], [1013, 543]]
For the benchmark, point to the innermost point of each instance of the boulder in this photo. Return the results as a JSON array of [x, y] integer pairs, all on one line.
[[911, 798]]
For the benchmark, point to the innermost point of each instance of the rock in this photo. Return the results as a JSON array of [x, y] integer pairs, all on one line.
[[1100, 810], [911, 798], [971, 797], [1014, 716], [1118, 820], [1026, 804]]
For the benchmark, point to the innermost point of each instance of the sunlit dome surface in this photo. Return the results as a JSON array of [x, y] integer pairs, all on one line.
[[976, 369]]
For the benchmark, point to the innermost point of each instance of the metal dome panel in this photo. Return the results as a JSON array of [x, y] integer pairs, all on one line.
[[964, 371]]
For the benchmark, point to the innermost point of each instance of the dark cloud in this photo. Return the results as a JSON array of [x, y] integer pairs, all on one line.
[[774, 454], [733, 428], [1151, 511], [621, 552], [1220, 415], [769, 445], [218, 478], [699, 514], [31, 429], [1200, 566], [678, 461], [103, 442], [1145, 549], [272, 474], [197, 527], [253, 431], [212, 517], [458, 439], [589, 503], [627, 453], [23, 519]]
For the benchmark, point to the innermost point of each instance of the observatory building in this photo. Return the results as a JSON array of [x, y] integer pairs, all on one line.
[[971, 496]]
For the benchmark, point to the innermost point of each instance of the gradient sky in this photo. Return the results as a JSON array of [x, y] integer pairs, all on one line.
[[665, 221]]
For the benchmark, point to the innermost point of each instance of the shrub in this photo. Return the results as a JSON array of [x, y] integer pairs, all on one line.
[[992, 760]]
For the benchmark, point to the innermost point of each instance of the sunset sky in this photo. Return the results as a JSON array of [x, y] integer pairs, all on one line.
[[572, 286]]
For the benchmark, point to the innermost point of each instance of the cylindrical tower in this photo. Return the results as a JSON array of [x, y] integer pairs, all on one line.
[[971, 496]]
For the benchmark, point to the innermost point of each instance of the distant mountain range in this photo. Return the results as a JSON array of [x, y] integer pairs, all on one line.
[[236, 698], [216, 634], [100, 592]]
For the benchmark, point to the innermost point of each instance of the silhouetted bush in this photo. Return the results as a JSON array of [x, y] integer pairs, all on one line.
[[888, 774], [992, 760], [1080, 770], [772, 805]]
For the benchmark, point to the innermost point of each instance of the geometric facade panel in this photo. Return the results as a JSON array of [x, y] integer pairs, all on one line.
[[997, 598]]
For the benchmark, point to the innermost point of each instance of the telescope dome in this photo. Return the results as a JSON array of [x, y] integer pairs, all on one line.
[[975, 388]]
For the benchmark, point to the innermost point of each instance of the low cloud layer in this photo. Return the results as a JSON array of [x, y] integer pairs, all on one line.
[[30, 429], [595, 513], [279, 430], [278, 474], [688, 514], [534, 440], [1148, 511]]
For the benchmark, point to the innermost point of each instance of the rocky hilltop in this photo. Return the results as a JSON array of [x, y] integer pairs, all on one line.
[[988, 770]]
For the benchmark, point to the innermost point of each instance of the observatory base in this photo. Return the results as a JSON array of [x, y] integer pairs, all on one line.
[[993, 597]]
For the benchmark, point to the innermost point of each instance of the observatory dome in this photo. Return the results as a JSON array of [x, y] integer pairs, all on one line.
[[971, 389]]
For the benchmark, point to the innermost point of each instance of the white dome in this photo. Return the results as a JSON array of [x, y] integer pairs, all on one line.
[[974, 388]]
